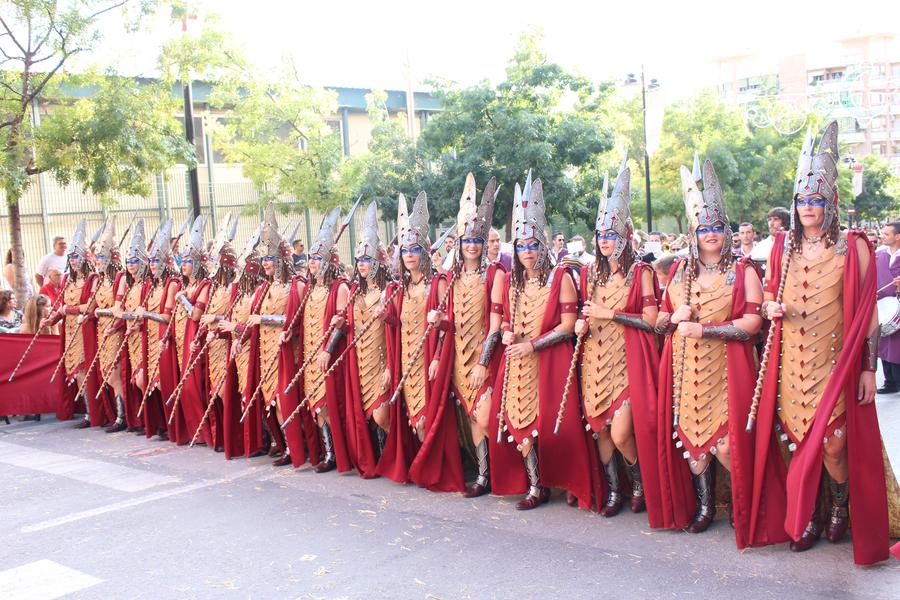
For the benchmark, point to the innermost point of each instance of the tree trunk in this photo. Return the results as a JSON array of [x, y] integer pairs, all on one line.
[[18, 253]]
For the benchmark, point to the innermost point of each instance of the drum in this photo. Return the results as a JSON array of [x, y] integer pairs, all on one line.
[[889, 315]]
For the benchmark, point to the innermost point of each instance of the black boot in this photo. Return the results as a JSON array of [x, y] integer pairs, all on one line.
[[537, 494], [839, 518], [705, 488], [327, 463], [119, 425], [637, 487], [614, 496], [813, 530], [483, 482]]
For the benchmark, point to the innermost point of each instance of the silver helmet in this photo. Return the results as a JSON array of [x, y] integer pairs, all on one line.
[[108, 244], [221, 251], [817, 171], [196, 248], [326, 238], [528, 217], [614, 212], [412, 229], [79, 247], [161, 248], [137, 248], [704, 204], [248, 260]]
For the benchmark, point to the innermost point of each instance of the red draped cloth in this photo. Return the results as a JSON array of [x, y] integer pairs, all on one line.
[[192, 404], [253, 423], [868, 491], [30, 392], [302, 435], [564, 459], [169, 372], [229, 431]]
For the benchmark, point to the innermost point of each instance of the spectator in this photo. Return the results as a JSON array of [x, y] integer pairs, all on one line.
[[662, 266], [746, 235], [493, 250], [558, 250], [582, 255], [37, 309], [777, 219], [9, 277], [51, 287], [10, 315], [54, 260], [299, 256], [446, 264], [655, 237]]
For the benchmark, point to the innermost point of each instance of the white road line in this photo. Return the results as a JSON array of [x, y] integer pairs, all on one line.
[[124, 504], [43, 580], [110, 475]]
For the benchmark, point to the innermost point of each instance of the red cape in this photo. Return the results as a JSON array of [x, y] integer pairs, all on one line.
[[133, 394], [868, 492], [100, 414], [359, 440], [303, 433], [564, 459], [192, 404], [67, 406], [254, 438], [642, 350], [402, 444]]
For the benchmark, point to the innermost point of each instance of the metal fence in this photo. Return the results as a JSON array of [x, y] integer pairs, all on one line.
[[49, 209]]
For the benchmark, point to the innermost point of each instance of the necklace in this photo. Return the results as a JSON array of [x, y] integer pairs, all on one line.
[[712, 268], [812, 240]]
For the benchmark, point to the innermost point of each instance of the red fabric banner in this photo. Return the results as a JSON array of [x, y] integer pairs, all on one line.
[[30, 391]]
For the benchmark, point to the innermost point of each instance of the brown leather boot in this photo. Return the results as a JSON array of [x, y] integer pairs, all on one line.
[[811, 534], [839, 518], [537, 494], [82, 424], [116, 427], [283, 461], [328, 462], [704, 488], [614, 494]]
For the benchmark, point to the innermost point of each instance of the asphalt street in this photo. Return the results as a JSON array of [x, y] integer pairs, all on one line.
[[93, 515]]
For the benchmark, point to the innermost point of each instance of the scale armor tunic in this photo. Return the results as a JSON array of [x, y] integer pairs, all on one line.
[[412, 326], [313, 318], [468, 319], [812, 334], [604, 376], [370, 349], [181, 318], [75, 353], [131, 303], [275, 303], [154, 302], [522, 393], [239, 314], [107, 342], [217, 350], [703, 412]]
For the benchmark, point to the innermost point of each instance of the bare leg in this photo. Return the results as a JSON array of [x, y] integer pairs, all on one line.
[[622, 433]]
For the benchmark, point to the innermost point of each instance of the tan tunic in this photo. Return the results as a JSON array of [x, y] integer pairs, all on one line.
[[107, 342], [703, 411], [74, 340], [239, 314], [135, 349], [522, 393], [313, 318], [604, 377], [468, 320], [811, 338], [275, 303], [412, 326], [154, 304], [217, 351], [370, 348]]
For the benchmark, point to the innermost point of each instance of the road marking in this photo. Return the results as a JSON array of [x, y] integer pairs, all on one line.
[[43, 580], [109, 475], [124, 504]]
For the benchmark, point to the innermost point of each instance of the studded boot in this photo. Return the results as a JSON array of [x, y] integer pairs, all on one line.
[[119, 425], [839, 518], [537, 494], [483, 481], [813, 531], [704, 488], [327, 463], [614, 495], [638, 503]]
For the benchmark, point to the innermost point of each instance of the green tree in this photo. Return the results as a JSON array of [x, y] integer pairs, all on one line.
[[878, 201], [541, 118], [111, 140]]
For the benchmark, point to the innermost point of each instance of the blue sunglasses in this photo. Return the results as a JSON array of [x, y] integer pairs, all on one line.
[[471, 241]]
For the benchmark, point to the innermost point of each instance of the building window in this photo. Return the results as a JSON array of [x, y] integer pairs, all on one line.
[[895, 71], [878, 124], [877, 149]]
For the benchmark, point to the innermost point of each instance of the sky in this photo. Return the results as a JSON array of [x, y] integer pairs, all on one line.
[[366, 44]]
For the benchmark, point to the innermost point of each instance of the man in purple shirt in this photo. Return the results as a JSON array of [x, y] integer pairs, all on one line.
[[887, 267], [493, 250]]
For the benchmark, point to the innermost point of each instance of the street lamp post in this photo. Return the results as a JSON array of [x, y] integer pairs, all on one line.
[[653, 85]]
